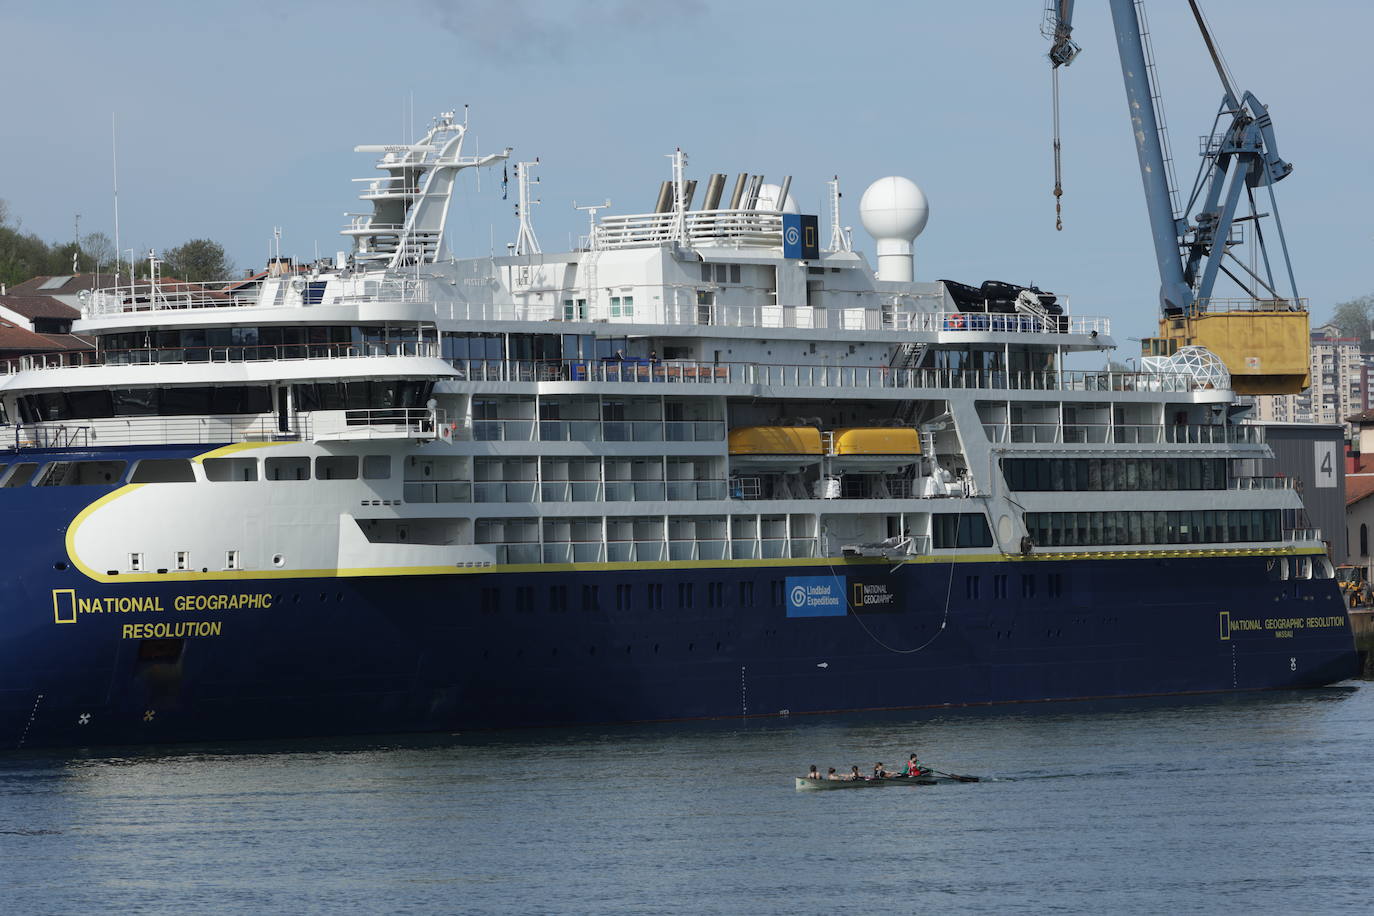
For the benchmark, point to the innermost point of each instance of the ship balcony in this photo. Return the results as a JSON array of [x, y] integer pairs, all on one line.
[[285, 292], [164, 356], [361, 425], [654, 551], [646, 372], [512, 430], [1119, 433]]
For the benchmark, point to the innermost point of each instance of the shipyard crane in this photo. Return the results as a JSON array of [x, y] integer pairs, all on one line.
[[1261, 334]]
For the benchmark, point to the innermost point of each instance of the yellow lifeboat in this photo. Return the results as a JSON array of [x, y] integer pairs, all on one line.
[[877, 440], [775, 440]]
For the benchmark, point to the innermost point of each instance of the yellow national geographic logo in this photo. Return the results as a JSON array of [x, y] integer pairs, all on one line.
[[67, 607]]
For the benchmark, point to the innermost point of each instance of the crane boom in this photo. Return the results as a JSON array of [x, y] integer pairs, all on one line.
[[1261, 335]]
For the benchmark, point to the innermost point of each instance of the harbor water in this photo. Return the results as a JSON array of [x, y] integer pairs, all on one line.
[[1261, 802]]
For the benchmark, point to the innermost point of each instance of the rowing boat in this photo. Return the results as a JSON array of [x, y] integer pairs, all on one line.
[[806, 783]]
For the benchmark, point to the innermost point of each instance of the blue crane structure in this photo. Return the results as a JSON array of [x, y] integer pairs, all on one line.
[[1193, 243]]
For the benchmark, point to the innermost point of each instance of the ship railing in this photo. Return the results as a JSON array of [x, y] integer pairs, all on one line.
[[162, 356], [1261, 483], [118, 431], [51, 435], [383, 423], [144, 296], [755, 228], [526, 491], [1303, 535], [1010, 323], [653, 551], [292, 291], [437, 491], [1248, 304], [1119, 433], [640, 370]]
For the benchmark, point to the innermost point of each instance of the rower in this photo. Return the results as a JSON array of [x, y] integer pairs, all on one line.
[[854, 773], [832, 774], [815, 773], [878, 771]]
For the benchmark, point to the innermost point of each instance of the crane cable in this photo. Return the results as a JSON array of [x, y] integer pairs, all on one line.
[[1058, 171]]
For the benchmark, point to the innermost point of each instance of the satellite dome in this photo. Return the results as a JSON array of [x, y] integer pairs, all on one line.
[[894, 211], [894, 208], [768, 200]]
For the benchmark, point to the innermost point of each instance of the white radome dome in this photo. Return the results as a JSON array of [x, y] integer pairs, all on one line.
[[894, 208], [768, 200]]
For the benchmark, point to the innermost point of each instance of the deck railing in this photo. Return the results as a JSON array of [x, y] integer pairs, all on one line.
[[642, 371]]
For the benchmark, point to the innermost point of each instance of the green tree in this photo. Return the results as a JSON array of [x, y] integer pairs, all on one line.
[[197, 261], [1355, 318]]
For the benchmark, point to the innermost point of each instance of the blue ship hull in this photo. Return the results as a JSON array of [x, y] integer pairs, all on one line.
[[87, 663]]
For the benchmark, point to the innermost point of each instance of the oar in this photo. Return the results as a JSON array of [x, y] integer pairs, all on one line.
[[954, 776]]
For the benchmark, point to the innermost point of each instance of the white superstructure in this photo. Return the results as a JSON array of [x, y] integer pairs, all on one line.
[[676, 390]]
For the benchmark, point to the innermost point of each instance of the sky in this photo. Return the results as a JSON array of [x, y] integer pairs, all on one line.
[[230, 119]]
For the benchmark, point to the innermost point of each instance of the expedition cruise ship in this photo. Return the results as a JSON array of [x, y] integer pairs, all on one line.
[[703, 465]]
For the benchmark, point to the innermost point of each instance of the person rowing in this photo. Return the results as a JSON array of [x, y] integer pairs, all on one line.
[[878, 771], [833, 775], [815, 773], [854, 773]]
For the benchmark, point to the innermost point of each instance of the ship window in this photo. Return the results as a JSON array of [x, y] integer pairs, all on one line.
[[134, 402], [706, 273], [163, 470], [231, 559], [734, 273], [81, 473], [336, 467], [287, 467], [999, 586], [20, 474], [653, 596], [183, 559], [684, 594], [971, 586], [376, 467], [964, 529], [722, 272], [746, 594], [236, 469], [135, 562], [88, 404]]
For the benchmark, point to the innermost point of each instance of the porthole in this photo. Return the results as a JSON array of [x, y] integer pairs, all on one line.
[[59, 566], [278, 560]]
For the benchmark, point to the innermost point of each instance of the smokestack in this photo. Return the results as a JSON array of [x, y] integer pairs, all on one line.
[[751, 200], [665, 198], [714, 188], [737, 197], [782, 194], [688, 193]]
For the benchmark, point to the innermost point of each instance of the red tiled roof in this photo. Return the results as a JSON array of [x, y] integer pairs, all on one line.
[[38, 306], [19, 340], [1357, 487]]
